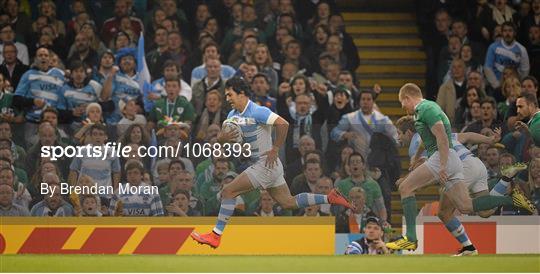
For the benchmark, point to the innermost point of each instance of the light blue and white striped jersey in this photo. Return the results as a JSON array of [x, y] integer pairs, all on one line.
[[256, 124], [138, 204], [124, 88], [43, 85], [41, 209], [500, 55], [71, 97], [462, 151], [98, 169], [413, 146]]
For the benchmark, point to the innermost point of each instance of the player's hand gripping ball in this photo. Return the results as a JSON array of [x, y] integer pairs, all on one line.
[[233, 128]]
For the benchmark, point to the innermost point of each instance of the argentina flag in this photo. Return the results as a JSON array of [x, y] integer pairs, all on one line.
[[142, 69]]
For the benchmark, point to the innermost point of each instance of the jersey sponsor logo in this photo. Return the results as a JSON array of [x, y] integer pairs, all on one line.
[[137, 211]]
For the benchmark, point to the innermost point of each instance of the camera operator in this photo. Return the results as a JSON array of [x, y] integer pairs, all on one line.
[[372, 242]]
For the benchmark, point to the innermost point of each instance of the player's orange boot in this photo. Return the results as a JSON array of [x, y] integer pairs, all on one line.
[[211, 239], [336, 198]]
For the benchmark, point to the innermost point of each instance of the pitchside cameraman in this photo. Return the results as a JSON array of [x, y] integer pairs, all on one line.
[[372, 242]]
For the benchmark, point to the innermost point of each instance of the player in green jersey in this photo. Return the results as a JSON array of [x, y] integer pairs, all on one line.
[[527, 108], [443, 165]]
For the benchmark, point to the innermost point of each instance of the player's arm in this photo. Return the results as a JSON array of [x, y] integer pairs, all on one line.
[[443, 144], [282, 127], [475, 138]]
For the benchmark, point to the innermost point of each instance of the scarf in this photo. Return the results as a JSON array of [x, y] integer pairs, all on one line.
[[302, 126], [500, 17]]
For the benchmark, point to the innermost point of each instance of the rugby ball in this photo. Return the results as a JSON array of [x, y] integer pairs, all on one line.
[[230, 126]]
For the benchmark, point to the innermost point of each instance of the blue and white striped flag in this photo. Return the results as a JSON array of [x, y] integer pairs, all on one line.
[[142, 68]]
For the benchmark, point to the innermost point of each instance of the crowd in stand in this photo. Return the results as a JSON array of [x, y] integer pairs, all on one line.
[[69, 76]]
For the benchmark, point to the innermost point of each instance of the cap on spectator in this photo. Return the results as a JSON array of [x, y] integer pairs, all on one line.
[[125, 52], [344, 90], [373, 219]]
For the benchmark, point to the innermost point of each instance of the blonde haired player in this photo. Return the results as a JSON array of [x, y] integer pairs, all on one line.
[[443, 164]]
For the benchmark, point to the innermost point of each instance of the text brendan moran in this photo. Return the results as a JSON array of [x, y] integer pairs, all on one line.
[[66, 189]]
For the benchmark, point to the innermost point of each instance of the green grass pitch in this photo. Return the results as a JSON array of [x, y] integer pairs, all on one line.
[[171, 263]]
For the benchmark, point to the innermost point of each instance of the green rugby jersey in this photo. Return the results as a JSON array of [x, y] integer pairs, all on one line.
[[426, 114]]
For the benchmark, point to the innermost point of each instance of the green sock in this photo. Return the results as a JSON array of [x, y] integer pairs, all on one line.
[[410, 211], [489, 202]]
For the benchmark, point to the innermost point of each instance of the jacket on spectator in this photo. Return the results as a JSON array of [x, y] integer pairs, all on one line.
[[14, 76], [446, 98]]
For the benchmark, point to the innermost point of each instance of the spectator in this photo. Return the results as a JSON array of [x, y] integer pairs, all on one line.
[[179, 205], [19, 20], [358, 177], [529, 85], [337, 26], [534, 48], [293, 54], [511, 89], [267, 206], [29, 94], [170, 70], [83, 52], [452, 89], [459, 28], [346, 79], [265, 65], [472, 63], [321, 33], [372, 242], [306, 148], [21, 196], [12, 68], [211, 51], [357, 129], [341, 105], [158, 48], [104, 172], [77, 93], [324, 186], [173, 106], [212, 114], [212, 81], [505, 53], [447, 55], [435, 40], [208, 183], [7, 206], [260, 85], [475, 80], [501, 12], [489, 117], [48, 9], [353, 220], [464, 112], [139, 203], [312, 172], [527, 106], [492, 162], [129, 116], [91, 206], [112, 25], [7, 35], [176, 51], [53, 205], [246, 53], [8, 113], [122, 84]]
